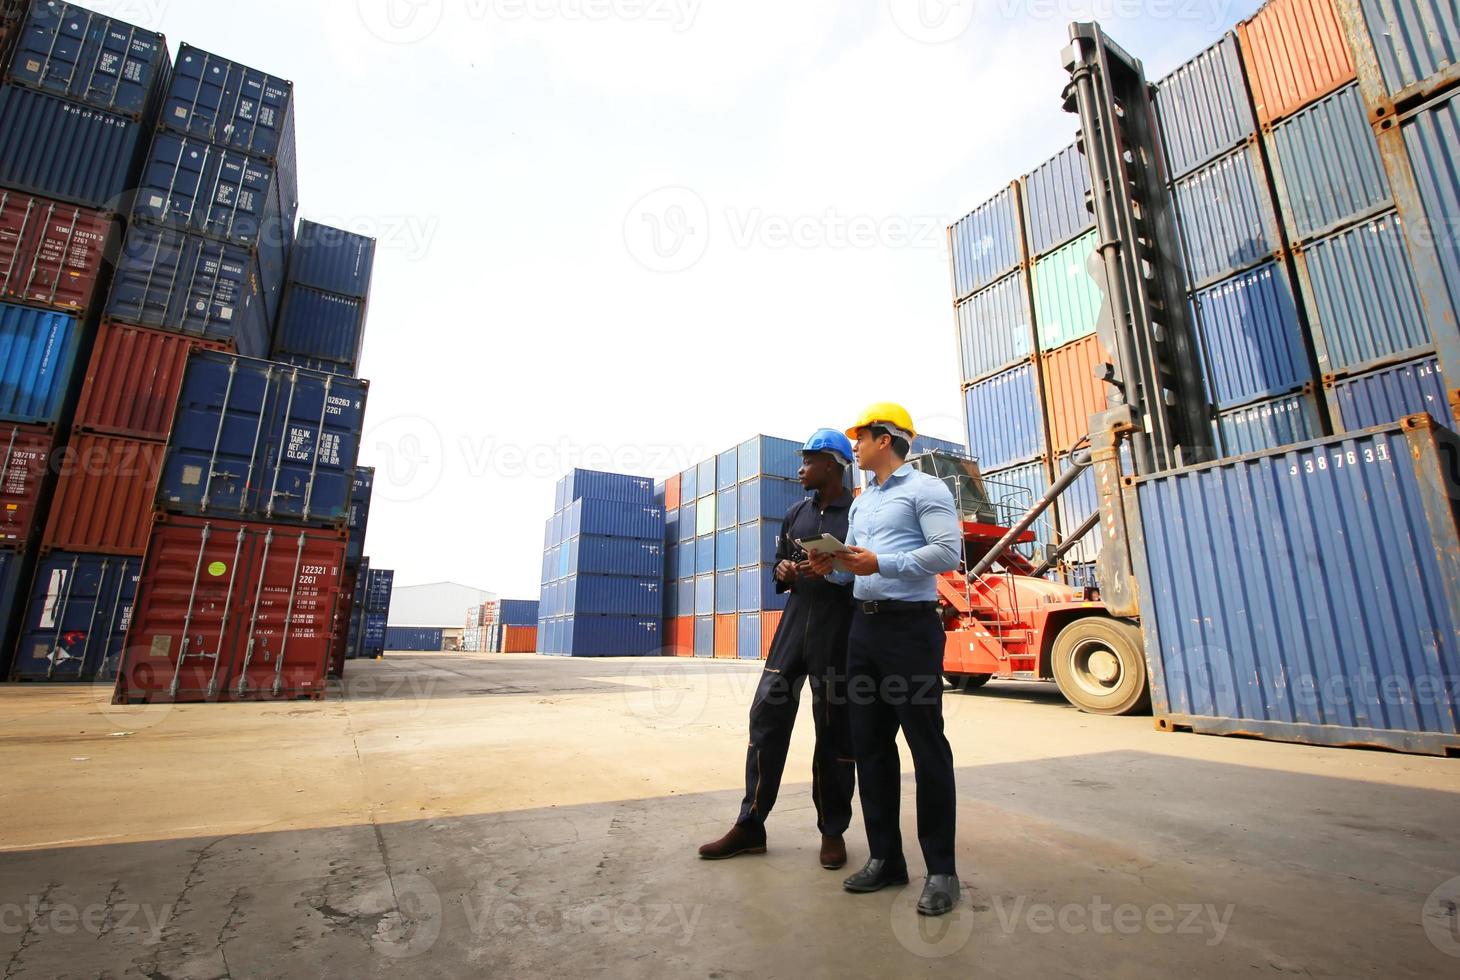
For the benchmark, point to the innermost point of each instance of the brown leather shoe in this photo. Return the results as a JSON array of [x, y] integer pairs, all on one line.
[[742, 839], [833, 852]]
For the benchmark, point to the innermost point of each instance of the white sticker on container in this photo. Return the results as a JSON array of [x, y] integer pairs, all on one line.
[[155, 201], [192, 476], [161, 646]]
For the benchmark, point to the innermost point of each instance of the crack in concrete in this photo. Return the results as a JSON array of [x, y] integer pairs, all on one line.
[[26, 941], [111, 901]]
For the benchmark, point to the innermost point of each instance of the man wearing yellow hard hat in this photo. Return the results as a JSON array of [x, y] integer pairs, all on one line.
[[903, 534]]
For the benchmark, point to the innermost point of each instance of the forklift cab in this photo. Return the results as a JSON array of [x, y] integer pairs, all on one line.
[[985, 519]]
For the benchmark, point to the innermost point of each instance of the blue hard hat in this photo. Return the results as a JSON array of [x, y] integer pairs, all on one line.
[[830, 441]]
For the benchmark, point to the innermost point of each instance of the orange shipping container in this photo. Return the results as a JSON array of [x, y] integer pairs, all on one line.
[[769, 623], [671, 492], [104, 497], [727, 636], [133, 380], [1072, 392], [682, 637], [1295, 52], [519, 639]]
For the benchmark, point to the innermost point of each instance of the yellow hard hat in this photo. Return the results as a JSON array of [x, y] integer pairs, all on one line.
[[887, 413]]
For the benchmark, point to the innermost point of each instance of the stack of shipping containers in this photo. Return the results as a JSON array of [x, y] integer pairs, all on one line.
[[473, 639], [78, 103], [348, 610], [603, 568], [375, 613], [504, 626], [1310, 158]]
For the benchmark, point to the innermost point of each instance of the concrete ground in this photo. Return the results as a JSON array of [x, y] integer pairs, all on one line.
[[521, 816]]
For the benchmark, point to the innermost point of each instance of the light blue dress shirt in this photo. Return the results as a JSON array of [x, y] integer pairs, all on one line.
[[910, 525]]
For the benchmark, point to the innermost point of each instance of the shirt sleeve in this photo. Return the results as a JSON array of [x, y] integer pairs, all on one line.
[[783, 550], [846, 578], [942, 552]]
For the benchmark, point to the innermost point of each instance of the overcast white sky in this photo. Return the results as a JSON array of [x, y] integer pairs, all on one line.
[[629, 233]]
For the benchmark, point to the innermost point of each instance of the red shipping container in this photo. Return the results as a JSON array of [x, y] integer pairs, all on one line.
[[133, 380], [727, 637], [519, 639], [682, 637], [340, 622], [51, 254], [104, 497], [1072, 392], [1295, 52], [232, 611], [27, 456], [769, 623], [672, 492]]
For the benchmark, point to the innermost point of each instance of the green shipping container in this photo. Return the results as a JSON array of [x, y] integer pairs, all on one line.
[[1066, 299], [705, 517]]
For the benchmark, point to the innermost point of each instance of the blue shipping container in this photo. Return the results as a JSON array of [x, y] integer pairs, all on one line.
[[725, 553], [704, 645], [755, 590], [37, 364], [769, 456], [726, 508], [705, 478], [517, 612], [688, 512], [255, 439], [598, 555], [1004, 421], [725, 594], [1308, 635], [1270, 424], [1013, 491], [684, 563], [64, 150], [995, 328], [705, 595], [596, 485], [1326, 165], [767, 499], [1226, 217], [613, 595], [1385, 395], [755, 543], [170, 280], [704, 550], [379, 587], [614, 519], [1055, 200], [985, 244], [323, 326], [362, 489], [747, 645], [374, 636], [688, 488], [1413, 39], [1203, 108], [1254, 343], [332, 260], [230, 104], [75, 624], [1362, 299], [414, 638], [611, 636], [684, 590], [104, 62], [727, 469]]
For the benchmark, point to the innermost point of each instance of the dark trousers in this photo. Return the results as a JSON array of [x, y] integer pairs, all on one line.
[[772, 717], [895, 663]]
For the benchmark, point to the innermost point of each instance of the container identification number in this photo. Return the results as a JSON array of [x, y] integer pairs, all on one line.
[[1319, 464]]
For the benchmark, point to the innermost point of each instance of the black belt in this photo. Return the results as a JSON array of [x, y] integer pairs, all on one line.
[[893, 606]]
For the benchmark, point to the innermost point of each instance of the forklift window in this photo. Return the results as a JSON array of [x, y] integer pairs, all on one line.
[[963, 478]]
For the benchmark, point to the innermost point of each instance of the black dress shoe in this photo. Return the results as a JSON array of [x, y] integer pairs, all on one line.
[[940, 895], [877, 875]]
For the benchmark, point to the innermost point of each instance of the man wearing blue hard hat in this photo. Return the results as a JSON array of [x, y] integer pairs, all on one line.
[[810, 643]]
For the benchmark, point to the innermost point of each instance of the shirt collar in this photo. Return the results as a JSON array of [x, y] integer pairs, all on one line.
[[897, 474], [842, 502]]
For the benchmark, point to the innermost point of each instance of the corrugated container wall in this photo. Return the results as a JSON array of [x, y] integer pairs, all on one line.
[[132, 382], [37, 361], [1316, 659], [1253, 340], [67, 151], [1326, 165], [1066, 300], [1269, 424], [332, 260], [1056, 202], [1226, 217], [51, 254], [104, 497], [1203, 108], [1003, 417], [85, 56], [322, 326], [994, 328], [1432, 139], [985, 244], [1295, 51], [1413, 39], [1382, 396], [1072, 391]]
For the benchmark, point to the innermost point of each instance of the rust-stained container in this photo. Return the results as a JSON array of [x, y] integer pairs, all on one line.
[[104, 497], [519, 639], [769, 623], [51, 254], [230, 611], [727, 636], [672, 493], [1072, 393], [133, 380], [23, 466], [1295, 52]]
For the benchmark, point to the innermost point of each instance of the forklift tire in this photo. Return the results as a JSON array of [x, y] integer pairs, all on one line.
[[967, 682], [1099, 664]]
